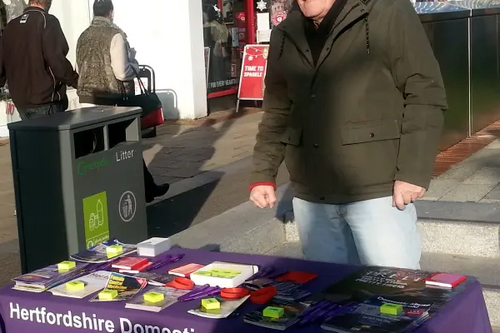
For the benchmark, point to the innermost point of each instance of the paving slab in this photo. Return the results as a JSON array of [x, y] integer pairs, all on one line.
[[493, 195], [468, 192], [440, 187], [484, 176]]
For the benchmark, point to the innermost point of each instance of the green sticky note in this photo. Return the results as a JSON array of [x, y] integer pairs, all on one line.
[[226, 276], [229, 272], [154, 297], [204, 273], [391, 309], [66, 266], [210, 304], [273, 312], [216, 271], [108, 295], [95, 217], [75, 286]]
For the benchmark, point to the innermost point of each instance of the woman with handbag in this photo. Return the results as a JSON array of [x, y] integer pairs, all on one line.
[[107, 69]]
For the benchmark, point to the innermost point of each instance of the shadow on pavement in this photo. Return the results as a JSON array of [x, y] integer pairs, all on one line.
[[10, 259], [175, 214]]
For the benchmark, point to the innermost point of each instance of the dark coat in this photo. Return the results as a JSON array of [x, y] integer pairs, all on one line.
[[368, 113]]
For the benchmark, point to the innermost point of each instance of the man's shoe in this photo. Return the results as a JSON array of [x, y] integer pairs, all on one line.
[[149, 199], [161, 190]]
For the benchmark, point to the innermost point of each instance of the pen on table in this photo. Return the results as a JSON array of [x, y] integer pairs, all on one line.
[[319, 312], [314, 309]]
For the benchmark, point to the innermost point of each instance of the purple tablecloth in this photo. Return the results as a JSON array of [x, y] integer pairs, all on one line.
[[466, 313]]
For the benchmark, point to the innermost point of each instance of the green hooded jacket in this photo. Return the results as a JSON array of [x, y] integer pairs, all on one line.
[[368, 113]]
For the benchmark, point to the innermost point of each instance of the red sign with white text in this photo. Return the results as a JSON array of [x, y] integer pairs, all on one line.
[[253, 72]]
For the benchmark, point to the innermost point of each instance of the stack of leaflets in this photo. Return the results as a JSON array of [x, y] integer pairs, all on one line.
[[171, 295], [291, 316], [366, 316], [156, 279], [369, 287], [126, 286], [98, 253], [227, 307], [48, 277], [131, 265], [94, 282], [290, 291]]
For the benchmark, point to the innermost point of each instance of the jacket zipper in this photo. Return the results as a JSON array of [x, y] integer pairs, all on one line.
[[54, 86]]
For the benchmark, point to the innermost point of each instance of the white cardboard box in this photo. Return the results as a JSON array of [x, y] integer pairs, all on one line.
[[153, 247], [246, 272]]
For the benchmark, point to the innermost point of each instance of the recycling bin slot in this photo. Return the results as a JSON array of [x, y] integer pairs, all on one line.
[[123, 131], [82, 185], [89, 141]]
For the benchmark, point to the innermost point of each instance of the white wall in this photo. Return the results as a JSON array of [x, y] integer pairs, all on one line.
[[167, 35], [74, 16]]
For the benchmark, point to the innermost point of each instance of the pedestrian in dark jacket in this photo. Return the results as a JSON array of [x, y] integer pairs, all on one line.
[[354, 104], [34, 64]]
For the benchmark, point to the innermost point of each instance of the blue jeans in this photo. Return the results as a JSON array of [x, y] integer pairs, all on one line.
[[370, 232]]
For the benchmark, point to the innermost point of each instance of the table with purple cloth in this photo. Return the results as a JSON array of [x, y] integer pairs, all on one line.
[[465, 313]]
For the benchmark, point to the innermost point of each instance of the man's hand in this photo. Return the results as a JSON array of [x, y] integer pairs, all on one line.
[[263, 196], [405, 193]]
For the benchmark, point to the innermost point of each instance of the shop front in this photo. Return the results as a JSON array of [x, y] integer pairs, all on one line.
[[229, 25], [201, 64]]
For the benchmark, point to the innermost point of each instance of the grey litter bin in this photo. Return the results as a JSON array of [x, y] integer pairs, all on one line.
[[78, 181]]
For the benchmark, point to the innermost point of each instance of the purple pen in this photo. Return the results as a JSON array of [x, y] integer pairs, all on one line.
[[314, 307], [326, 312], [196, 294], [167, 260], [318, 312]]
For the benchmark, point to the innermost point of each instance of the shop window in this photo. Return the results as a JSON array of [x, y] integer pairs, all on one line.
[[222, 39], [279, 10]]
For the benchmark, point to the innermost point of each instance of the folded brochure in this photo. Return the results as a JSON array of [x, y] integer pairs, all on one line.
[[126, 286], [156, 279], [170, 297], [45, 278], [93, 283], [98, 253], [367, 317]]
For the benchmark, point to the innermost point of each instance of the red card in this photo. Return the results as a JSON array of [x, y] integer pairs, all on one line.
[[298, 277]]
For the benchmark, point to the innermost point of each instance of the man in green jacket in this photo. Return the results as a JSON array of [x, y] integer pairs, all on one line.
[[354, 104]]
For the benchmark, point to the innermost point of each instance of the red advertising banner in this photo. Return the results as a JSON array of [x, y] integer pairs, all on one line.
[[253, 72]]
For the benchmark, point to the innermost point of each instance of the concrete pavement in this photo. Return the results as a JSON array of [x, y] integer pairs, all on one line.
[[477, 179]]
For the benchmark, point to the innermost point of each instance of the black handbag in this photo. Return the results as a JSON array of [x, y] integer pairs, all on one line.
[[147, 100], [152, 108]]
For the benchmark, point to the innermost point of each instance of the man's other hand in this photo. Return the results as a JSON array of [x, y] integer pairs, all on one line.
[[263, 196], [405, 193]]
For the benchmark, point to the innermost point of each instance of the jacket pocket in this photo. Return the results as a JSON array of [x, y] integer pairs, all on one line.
[[370, 132], [292, 136]]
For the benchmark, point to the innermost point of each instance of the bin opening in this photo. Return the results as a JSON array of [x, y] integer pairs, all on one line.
[[89, 142], [123, 131]]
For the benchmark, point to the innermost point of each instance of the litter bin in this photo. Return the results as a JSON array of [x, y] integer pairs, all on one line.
[[78, 181]]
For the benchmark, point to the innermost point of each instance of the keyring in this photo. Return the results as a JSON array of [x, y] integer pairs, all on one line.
[[181, 283], [234, 293], [263, 295]]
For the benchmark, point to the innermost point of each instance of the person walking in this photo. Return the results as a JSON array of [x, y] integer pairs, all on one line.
[[33, 62], [107, 69], [354, 104]]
